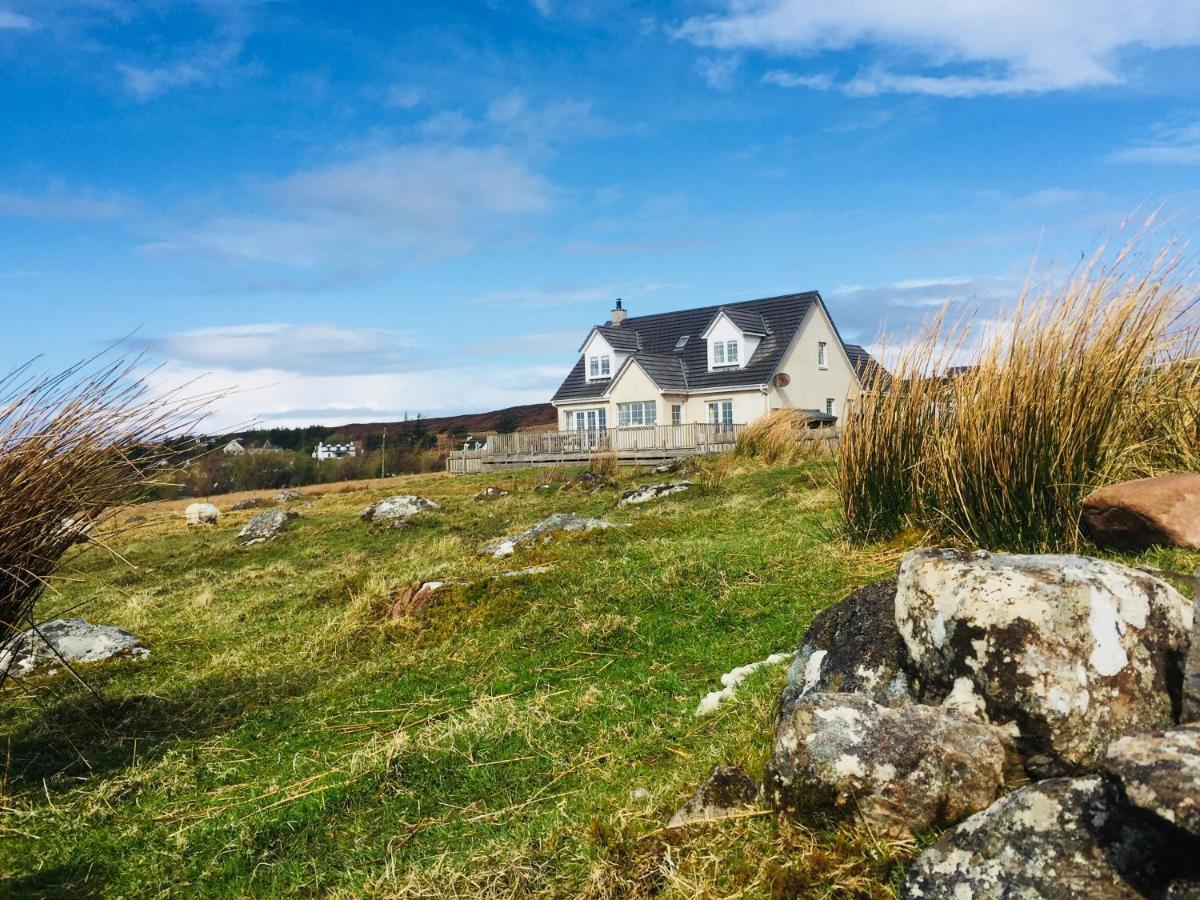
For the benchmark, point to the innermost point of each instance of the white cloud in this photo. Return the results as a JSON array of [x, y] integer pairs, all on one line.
[[404, 96], [14, 21], [1174, 143], [818, 81], [552, 123], [552, 295], [1022, 46], [863, 312], [60, 203], [205, 64], [718, 72], [418, 203]]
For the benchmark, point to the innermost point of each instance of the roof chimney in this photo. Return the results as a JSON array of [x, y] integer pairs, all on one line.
[[618, 314]]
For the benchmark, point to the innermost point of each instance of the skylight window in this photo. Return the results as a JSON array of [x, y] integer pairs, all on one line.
[[681, 343]]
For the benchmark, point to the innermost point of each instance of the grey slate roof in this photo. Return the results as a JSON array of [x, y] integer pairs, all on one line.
[[749, 321], [862, 361], [656, 336]]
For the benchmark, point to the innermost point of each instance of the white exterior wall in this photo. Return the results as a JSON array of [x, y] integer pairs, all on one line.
[[811, 385], [724, 330], [598, 346]]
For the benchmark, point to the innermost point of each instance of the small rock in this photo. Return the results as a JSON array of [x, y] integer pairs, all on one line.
[[842, 757], [1160, 773], [202, 514], [42, 651], [528, 570], [546, 487], [1075, 651], [853, 646], [639, 794], [1137, 515], [265, 526], [1055, 840], [668, 467], [250, 503], [490, 493], [559, 522], [648, 492], [728, 790], [588, 483], [288, 496], [395, 511]]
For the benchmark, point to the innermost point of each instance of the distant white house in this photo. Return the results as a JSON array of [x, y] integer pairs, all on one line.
[[234, 448], [335, 451]]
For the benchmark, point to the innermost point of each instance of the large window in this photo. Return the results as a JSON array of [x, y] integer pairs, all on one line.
[[643, 412], [588, 420], [720, 412], [725, 353], [600, 367]]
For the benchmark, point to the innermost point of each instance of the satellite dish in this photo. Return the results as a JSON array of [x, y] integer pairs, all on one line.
[[782, 379]]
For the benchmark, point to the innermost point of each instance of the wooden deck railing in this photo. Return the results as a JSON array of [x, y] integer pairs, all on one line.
[[694, 436]]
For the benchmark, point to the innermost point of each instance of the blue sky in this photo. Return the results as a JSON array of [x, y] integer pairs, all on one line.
[[352, 210]]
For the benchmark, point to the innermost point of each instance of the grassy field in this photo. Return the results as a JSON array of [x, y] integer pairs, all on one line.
[[516, 736]]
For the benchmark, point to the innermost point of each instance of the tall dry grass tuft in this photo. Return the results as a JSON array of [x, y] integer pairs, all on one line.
[[604, 464], [1089, 383], [782, 437], [73, 446]]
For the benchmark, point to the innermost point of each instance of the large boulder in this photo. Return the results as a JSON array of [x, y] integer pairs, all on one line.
[[845, 757], [1160, 773], [394, 512], [265, 526], [1074, 651], [648, 492], [43, 650], [727, 792], [543, 530], [1056, 840], [201, 514], [853, 647], [1137, 515]]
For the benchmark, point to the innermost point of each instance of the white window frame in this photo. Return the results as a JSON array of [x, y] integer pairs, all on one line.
[[718, 353], [676, 413], [830, 406], [637, 413], [731, 353], [822, 356], [720, 412], [599, 366]]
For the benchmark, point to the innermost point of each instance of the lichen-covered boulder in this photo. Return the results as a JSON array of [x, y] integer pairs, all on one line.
[[265, 526], [1160, 773], [588, 483], [288, 496], [1074, 651], [648, 492], [201, 514], [904, 770], [1056, 840], [490, 493], [1137, 515], [853, 647], [43, 650], [543, 530], [395, 511], [728, 791], [250, 503]]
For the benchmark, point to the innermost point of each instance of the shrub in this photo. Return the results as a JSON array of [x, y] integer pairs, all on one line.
[[1089, 383], [782, 437]]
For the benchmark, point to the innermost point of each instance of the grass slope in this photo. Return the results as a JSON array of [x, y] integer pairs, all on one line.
[[517, 736]]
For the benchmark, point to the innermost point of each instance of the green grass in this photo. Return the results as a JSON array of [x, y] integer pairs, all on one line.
[[516, 736]]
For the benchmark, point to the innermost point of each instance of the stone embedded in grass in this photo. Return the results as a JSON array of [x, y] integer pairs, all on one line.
[[1075, 651], [202, 514], [648, 492], [543, 530], [853, 646], [266, 526], [42, 651], [1160, 772], [250, 503], [843, 757], [1057, 840], [727, 792], [1148, 512], [394, 512], [490, 493], [288, 496], [588, 483]]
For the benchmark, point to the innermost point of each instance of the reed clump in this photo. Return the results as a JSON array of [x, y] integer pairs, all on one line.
[[1089, 383], [782, 437]]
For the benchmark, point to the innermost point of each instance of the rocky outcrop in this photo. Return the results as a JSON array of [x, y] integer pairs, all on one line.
[[1160, 773], [1074, 651], [250, 503], [845, 757], [853, 647], [667, 468], [648, 492], [265, 526], [394, 512], [490, 493], [588, 483], [543, 530], [288, 496], [1137, 515], [727, 792], [43, 650], [1056, 840], [202, 514]]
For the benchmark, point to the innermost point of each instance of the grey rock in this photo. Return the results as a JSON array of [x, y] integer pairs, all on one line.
[[396, 511], [843, 757], [265, 526], [491, 493], [555, 524], [1160, 773], [1057, 840], [668, 467], [1074, 652], [1190, 711], [648, 492], [588, 483], [42, 650], [853, 646], [202, 514], [728, 790], [288, 496], [250, 503]]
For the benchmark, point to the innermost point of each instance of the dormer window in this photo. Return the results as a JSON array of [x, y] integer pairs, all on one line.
[[599, 367], [725, 353]]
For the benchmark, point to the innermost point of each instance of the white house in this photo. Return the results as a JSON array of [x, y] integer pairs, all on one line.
[[724, 365], [233, 448], [335, 451]]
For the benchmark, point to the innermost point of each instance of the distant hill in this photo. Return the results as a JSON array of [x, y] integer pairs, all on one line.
[[528, 416]]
